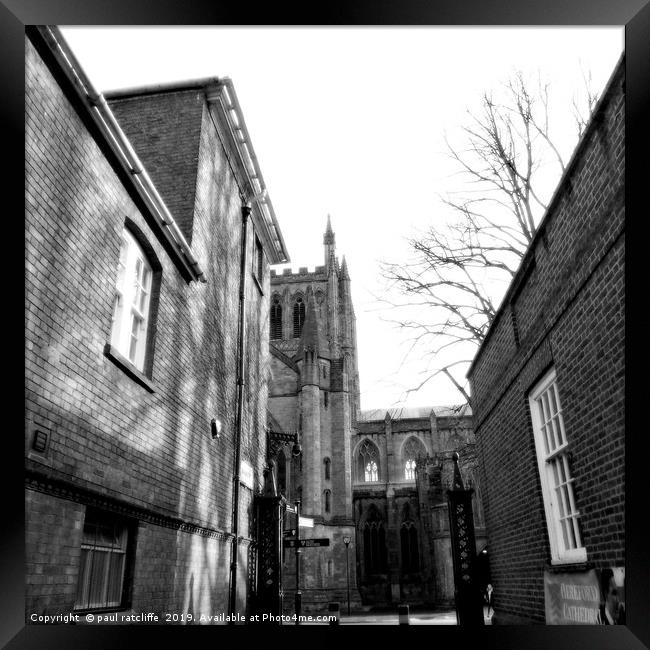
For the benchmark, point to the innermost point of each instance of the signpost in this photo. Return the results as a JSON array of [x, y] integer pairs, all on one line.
[[292, 540], [298, 598], [306, 543]]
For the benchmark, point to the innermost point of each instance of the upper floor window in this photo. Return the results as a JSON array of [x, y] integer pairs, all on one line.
[[409, 470], [555, 475], [132, 301], [368, 462], [276, 319], [371, 472], [412, 450], [328, 463], [103, 561], [298, 317]]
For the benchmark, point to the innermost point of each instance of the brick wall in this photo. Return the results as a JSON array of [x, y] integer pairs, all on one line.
[[165, 130], [108, 435], [566, 305], [52, 549]]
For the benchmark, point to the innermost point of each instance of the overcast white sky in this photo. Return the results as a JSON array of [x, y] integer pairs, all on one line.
[[350, 122]]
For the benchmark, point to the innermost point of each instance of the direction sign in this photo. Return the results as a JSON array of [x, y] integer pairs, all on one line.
[[306, 522], [291, 508], [307, 543]]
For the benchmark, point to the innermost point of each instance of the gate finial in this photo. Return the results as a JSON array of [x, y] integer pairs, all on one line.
[[458, 479]]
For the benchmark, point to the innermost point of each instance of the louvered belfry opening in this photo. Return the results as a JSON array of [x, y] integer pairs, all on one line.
[[298, 317]]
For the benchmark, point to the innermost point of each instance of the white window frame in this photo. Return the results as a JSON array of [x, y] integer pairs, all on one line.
[[132, 302], [552, 447]]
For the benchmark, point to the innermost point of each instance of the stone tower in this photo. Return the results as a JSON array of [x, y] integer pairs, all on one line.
[[314, 389]]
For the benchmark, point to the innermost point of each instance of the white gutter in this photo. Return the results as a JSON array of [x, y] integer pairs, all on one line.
[[242, 138], [112, 131]]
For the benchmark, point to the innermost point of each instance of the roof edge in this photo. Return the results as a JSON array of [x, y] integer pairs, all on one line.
[[157, 89]]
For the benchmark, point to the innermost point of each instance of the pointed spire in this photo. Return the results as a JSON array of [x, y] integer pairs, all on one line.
[[329, 233], [344, 270]]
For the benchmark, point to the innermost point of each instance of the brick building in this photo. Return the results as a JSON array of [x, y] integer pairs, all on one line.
[[133, 331], [548, 394], [402, 467]]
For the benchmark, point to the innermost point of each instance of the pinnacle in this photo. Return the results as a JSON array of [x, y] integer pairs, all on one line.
[[344, 269], [312, 337], [329, 233]]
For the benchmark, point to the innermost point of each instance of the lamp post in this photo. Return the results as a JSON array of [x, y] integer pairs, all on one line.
[[346, 541], [298, 597]]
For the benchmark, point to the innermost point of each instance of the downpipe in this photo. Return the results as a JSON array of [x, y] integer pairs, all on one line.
[[241, 347]]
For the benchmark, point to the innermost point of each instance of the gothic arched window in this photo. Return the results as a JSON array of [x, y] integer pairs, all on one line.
[[374, 543], [368, 462], [276, 319], [413, 448], [298, 317], [409, 470], [409, 545], [371, 473], [327, 462]]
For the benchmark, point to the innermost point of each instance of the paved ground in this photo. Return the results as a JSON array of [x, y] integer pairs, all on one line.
[[415, 618], [391, 618], [447, 617]]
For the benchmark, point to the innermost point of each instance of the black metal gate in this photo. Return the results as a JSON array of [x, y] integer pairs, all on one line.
[[269, 512], [469, 605]]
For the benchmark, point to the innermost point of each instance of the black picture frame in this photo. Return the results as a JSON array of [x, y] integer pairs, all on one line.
[[634, 14]]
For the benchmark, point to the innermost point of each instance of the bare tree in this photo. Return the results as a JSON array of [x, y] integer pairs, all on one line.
[[505, 145]]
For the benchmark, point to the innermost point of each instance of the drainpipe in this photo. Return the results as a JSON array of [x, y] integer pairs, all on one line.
[[241, 347]]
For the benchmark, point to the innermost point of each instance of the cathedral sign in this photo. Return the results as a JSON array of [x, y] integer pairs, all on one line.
[[572, 598]]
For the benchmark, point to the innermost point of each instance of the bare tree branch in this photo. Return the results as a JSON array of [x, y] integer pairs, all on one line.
[[505, 144]]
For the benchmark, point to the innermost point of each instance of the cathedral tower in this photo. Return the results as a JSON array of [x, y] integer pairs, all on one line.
[[314, 389]]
